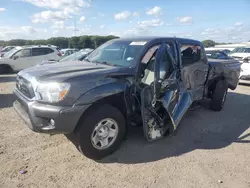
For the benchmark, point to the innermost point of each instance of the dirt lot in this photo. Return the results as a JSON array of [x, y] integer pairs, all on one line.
[[208, 147]]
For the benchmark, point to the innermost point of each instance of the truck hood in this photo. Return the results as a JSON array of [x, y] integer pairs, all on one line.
[[60, 72]]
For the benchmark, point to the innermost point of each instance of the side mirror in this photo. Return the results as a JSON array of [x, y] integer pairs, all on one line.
[[246, 60], [169, 84], [15, 57], [162, 86]]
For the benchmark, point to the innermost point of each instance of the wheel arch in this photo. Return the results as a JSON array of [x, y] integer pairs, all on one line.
[[212, 83], [117, 100], [8, 67]]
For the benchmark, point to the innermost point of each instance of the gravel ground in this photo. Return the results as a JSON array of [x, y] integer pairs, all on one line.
[[210, 149]]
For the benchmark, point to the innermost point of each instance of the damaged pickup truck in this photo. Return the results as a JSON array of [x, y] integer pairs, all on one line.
[[152, 81]]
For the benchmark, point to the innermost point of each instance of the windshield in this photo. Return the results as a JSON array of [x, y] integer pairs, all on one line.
[[236, 50], [7, 49], [117, 53], [74, 56], [241, 50], [11, 52]]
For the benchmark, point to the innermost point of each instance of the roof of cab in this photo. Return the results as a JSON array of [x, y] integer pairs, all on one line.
[[152, 38]]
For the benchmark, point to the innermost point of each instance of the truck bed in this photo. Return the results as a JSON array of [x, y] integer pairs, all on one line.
[[228, 68]]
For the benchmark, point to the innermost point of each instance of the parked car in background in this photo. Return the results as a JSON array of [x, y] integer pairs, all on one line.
[[245, 70], [217, 54], [68, 51], [151, 81], [226, 51], [28, 56], [6, 49], [240, 53], [77, 56], [5, 67]]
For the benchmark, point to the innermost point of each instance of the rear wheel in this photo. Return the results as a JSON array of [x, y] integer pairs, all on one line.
[[5, 69], [101, 131], [219, 96]]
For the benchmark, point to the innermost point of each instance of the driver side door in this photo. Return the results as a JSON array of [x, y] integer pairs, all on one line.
[[163, 101]]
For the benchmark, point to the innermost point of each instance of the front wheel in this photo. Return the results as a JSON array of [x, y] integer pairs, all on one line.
[[219, 96], [101, 131], [5, 69]]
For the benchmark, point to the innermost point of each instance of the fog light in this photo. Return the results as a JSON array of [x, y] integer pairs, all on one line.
[[52, 122]]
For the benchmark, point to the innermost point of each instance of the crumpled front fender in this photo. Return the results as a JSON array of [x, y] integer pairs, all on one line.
[[101, 92]]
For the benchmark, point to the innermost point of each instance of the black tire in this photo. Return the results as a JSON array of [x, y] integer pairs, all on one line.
[[89, 122], [219, 96], [5, 69]]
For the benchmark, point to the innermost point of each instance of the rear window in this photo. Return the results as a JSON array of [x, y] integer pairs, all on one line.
[[191, 53], [41, 51], [7, 49]]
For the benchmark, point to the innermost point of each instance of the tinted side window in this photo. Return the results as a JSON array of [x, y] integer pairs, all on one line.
[[48, 50], [190, 54], [247, 50], [41, 51]]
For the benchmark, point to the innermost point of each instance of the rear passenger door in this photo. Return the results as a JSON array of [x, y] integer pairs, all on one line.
[[194, 68], [51, 54], [40, 54]]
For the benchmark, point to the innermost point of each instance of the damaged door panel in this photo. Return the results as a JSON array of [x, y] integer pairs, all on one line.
[[164, 101], [194, 69], [176, 100], [153, 121]]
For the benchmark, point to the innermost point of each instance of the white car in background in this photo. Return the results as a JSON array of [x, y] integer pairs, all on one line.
[[24, 57], [5, 50], [245, 70], [68, 51], [78, 56], [242, 54]]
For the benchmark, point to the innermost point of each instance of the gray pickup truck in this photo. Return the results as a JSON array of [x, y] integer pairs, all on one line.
[[148, 81]]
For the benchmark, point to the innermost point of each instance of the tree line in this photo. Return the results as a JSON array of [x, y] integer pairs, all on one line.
[[85, 41], [211, 43], [78, 42]]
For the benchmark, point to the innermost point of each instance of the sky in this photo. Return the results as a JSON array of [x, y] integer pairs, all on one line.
[[219, 20]]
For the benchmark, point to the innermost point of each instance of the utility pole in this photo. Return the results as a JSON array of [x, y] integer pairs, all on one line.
[[75, 19], [75, 26]]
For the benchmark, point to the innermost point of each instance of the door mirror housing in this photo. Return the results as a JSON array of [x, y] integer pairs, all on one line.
[[15, 57], [162, 86], [169, 84], [246, 60]]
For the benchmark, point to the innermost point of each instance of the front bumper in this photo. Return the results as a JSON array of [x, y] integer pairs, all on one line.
[[46, 118]]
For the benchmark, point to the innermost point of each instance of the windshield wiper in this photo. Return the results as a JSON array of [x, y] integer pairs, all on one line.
[[103, 62]]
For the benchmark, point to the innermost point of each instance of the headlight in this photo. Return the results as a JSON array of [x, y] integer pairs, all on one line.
[[52, 92]]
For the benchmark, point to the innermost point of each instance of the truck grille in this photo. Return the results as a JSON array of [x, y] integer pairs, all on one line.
[[25, 87]]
